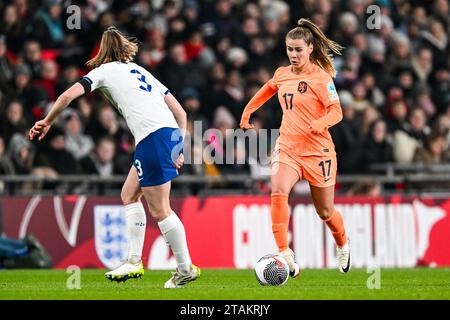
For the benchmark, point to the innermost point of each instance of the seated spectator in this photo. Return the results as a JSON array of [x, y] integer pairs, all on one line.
[[405, 79], [48, 26], [6, 165], [6, 73], [32, 55], [216, 137], [48, 79], [436, 39], [360, 100], [422, 64], [369, 188], [376, 148], [397, 114], [433, 152], [101, 161], [51, 153], [374, 93], [31, 97], [423, 101], [106, 124], [368, 116], [346, 136], [69, 76], [12, 26], [232, 95], [190, 100], [400, 56], [13, 122], [78, 144], [440, 87], [413, 136], [21, 152]]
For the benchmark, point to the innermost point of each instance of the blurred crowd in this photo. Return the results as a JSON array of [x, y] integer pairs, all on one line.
[[393, 78]]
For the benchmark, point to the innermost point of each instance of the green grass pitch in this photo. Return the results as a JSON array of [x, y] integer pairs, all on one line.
[[417, 283]]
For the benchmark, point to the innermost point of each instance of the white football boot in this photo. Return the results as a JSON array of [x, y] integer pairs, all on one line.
[[126, 271], [343, 257], [289, 256], [179, 280]]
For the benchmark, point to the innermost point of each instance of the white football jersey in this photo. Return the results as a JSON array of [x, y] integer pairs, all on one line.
[[136, 93]]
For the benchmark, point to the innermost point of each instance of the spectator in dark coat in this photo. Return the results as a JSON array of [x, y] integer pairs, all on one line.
[[375, 147], [48, 26], [13, 121], [346, 135], [22, 153], [52, 153], [6, 165], [176, 73], [31, 97], [101, 161]]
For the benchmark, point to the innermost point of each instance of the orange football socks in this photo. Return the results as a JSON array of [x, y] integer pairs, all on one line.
[[280, 219], [336, 225]]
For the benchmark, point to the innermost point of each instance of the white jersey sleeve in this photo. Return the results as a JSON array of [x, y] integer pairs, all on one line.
[[95, 78]]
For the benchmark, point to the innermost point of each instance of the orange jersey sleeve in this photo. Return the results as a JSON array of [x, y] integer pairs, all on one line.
[[330, 100], [310, 97]]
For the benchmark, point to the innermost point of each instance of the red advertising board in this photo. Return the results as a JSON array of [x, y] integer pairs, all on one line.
[[234, 231]]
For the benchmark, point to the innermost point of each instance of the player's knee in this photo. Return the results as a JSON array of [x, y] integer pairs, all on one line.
[[159, 212], [280, 189], [129, 197], [325, 212]]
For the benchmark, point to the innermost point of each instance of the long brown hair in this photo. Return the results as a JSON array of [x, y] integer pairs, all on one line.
[[311, 33], [114, 46]]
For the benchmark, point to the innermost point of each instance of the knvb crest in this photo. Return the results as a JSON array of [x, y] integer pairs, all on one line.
[[111, 243], [302, 87]]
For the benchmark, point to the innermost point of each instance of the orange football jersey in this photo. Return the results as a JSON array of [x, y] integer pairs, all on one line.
[[304, 98]]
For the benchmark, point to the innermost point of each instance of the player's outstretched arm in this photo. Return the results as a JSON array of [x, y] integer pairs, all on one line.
[[41, 127], [262, 95], [181, 118], [178, 112]]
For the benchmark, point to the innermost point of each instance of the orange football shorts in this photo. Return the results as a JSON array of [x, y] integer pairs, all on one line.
[[319, 171]]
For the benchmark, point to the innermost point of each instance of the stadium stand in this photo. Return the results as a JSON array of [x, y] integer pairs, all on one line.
[[393, 82]]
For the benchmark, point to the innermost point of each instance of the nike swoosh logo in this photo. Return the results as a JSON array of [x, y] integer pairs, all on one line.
[[348, 264]]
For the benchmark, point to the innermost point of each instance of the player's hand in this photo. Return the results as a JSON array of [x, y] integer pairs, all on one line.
[[246, 125], [178, 163], [317, 126], [39, 129]]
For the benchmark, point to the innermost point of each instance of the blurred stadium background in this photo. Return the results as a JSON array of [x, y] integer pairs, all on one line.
[[393, 144]]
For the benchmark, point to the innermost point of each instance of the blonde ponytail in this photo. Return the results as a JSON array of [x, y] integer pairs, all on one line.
[[311, 34]]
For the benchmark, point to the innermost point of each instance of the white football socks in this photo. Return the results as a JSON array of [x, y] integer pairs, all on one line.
[[173, 232], [136, 223]]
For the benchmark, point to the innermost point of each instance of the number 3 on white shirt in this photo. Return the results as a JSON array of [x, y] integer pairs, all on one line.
[[147, 87]]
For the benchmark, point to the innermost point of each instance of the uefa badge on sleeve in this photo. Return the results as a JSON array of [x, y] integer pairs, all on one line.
[[332, 93]]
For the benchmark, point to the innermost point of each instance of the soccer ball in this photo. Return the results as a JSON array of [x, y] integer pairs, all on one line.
[[272, 270]]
